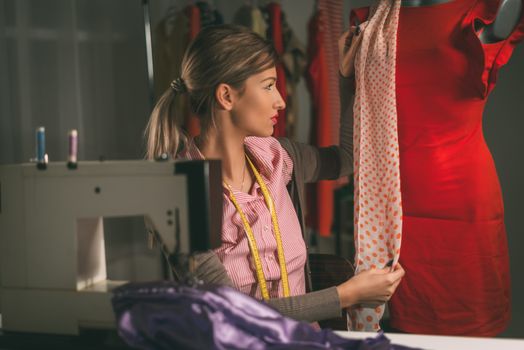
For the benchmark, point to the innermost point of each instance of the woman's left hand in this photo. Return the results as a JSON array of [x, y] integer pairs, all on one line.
[[348, 44]]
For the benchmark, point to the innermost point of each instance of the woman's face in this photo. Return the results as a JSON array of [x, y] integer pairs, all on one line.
[[255, 110]]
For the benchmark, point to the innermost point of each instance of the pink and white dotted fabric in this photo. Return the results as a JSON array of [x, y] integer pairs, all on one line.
[[378, 209]]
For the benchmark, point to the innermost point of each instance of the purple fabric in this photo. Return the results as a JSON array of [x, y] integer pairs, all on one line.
[[166, 315]]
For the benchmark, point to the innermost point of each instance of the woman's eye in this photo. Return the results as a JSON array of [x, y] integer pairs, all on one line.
[[270, 86]]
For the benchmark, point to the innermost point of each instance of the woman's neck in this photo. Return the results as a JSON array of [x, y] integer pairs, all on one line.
[[230, 150]]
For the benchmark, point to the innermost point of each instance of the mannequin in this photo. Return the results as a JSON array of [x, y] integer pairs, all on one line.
[[507, 18], [454, 247]]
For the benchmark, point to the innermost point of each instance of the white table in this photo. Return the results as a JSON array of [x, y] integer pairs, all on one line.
[[436, 342]]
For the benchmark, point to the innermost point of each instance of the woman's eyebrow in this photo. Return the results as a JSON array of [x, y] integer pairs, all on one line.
[[270, 78]]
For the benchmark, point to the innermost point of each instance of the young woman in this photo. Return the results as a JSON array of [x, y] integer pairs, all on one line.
[[229, 74]]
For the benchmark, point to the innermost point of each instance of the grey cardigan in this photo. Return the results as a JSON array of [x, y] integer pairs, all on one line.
[[310, 164]]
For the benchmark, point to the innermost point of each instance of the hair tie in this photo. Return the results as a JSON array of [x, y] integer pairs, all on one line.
[[178, 86]]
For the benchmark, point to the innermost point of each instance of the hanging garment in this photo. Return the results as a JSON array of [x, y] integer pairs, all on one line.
[[333, 29], [252, 18], [378, 211], [275, 34], [454, 247], [320, 194], [172, 37], [294, 62], [208, 15]]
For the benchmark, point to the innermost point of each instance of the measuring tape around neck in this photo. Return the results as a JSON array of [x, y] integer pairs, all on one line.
[[251, 237]]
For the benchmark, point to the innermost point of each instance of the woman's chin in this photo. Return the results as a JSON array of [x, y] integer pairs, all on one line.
[[265, 133], [262, 132]]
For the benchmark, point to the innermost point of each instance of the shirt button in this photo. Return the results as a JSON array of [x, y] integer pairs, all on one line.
[[266, 227]]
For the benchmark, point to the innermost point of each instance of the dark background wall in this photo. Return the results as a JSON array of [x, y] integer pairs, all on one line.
[[503, 127]]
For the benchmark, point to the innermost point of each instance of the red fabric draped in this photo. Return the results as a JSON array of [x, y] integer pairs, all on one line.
[[320, 196]]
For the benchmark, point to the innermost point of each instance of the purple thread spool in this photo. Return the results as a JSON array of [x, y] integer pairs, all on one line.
[[73, 149]]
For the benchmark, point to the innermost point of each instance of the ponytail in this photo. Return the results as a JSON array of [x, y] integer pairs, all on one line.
[[163, 135]]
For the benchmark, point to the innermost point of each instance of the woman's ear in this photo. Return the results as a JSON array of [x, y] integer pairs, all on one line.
[[224, 95]]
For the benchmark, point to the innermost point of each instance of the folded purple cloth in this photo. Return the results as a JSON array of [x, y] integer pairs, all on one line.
[[167, 315]]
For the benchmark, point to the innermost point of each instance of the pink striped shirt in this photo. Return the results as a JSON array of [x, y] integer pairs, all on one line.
[[276, 167]]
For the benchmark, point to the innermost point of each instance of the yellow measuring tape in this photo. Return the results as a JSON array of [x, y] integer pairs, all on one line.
[[251, 237]]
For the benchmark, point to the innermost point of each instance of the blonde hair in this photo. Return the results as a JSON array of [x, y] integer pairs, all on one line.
[[226, 54]]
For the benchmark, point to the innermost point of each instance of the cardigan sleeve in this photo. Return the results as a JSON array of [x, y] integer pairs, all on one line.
[[327, 163], [310, 307]]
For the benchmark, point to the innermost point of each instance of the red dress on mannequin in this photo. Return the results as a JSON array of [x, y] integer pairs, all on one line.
[[454, 247]]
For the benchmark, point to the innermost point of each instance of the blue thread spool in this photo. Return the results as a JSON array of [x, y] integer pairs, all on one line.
[[40, 147], [40, 144]]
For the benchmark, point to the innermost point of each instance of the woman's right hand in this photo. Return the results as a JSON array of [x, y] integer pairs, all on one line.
[[348, 45], [371, 287]]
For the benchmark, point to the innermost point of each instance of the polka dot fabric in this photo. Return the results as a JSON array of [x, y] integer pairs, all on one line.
[[378, 210]]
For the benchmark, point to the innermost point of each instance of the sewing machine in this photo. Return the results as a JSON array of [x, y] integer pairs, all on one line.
[[52, 257]]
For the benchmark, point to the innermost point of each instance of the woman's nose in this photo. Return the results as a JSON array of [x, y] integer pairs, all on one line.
[[280, 103]]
